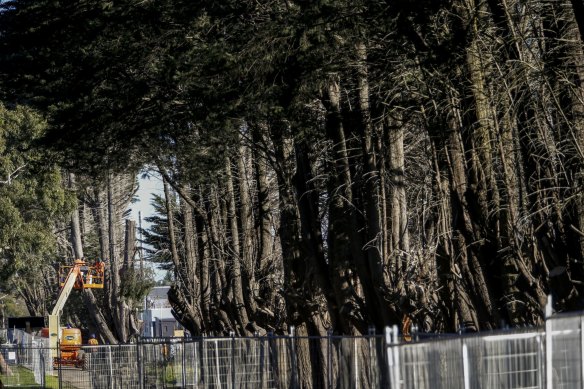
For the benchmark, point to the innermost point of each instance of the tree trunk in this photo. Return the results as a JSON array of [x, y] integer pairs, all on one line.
[[190, 311], [343, 237], [247, 228], [235, 276], [385, 314], [89, 299], [120, 310], [266, 265]]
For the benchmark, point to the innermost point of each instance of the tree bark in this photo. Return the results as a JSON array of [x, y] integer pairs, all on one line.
[[89, 299], [373, 245], [235, 276]]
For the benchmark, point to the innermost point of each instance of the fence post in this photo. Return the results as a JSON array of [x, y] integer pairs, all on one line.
[[217, 367], [371, 344], [111, 367], [184, 363], [293, 357], [389, 352], [43, 366], [396, 366], [140, 364], [232, 333], [465, 367], [60, 371], [272, 361], [548, 344], [196, 362], [581, 351]]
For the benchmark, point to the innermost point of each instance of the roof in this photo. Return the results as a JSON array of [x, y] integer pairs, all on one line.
[[159, 293]]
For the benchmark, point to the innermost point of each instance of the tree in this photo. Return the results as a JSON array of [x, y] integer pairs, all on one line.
[[33, 209], [409, 162]]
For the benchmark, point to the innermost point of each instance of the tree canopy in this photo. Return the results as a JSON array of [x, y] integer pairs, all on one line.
[[327, 165]]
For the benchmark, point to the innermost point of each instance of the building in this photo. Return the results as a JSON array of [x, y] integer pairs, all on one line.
[[157, 316]]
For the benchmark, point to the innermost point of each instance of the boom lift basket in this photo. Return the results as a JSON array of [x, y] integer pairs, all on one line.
[[78, 276], [88, 277]]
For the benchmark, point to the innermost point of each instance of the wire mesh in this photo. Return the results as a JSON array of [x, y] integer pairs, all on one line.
[[433, 364], [566, 350], [511, 359]]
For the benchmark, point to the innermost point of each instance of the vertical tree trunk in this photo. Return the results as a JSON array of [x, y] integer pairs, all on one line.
[[296, 291], [343, 238], [188, 308], [400, 238], [247, 228], [373, 246], [120, 310], [89, 300], [266, 241], [235, 276], [204, 274]]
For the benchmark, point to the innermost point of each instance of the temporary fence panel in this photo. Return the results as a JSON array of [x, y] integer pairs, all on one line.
[[25, 365], [566, 349], [510, 359], [164, 364], [431, 364], [352, 362]]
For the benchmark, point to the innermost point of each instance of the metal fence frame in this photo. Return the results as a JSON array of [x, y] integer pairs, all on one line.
[[542, 358]]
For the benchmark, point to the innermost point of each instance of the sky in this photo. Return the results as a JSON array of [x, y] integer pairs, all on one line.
[[147, 188]]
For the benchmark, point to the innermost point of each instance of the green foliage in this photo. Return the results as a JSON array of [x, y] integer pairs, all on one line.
[[155, 238], [136, 284], [32, 197], [12, 307], [124, 84]]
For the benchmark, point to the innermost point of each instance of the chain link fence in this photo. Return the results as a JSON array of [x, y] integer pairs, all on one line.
[[542, 358]]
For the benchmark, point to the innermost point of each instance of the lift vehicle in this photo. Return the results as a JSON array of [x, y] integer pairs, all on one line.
[[79, 276]]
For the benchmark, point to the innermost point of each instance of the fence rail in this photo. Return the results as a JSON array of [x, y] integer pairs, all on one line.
[[541, 358]]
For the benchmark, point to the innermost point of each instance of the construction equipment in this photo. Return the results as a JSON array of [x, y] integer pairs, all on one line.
[[78, 276]]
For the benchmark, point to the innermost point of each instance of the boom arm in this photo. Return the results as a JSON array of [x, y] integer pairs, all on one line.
[[73, 276], [66, 290]]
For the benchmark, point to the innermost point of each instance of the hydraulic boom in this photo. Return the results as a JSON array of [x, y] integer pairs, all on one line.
[[78, 276]]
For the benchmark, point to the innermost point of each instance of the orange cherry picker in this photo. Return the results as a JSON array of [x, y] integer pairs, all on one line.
[[78, 276]]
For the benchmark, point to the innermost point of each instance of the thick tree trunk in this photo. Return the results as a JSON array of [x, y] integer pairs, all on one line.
[[266, 265], [343, 238], [204, 273], [169, 206], [248, 239], [188, 308], [235, 275], [399, 246], [120, 310], [89, 300], [385, 314]]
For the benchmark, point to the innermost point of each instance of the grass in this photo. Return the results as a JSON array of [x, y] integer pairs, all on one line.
[[23, 378]]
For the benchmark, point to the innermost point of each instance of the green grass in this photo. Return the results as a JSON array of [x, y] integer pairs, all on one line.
[[23, 378]]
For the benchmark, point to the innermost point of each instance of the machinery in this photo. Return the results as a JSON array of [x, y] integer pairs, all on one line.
[[78, 276]]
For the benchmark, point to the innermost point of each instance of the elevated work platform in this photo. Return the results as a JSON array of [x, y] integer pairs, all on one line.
[[86, 276]]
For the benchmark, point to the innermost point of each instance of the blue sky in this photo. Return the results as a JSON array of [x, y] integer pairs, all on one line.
[[147, 188]]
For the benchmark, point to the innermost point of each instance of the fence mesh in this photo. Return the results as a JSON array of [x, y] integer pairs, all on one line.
[[566, 348], [432, 364], [528, 358]]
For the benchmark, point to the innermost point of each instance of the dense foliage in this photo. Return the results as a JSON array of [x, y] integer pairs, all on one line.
[[33, 204], [329, 165]]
